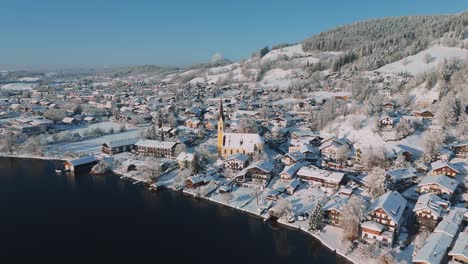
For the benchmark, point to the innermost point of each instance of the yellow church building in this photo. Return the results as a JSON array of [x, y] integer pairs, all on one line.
[[233, 143]]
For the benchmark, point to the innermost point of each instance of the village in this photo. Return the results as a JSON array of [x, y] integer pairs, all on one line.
[[259, 156]]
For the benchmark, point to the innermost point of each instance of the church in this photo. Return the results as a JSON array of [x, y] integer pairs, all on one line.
[[233, 143]]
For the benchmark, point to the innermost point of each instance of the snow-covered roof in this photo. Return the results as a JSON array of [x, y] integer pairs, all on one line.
[[292, 169], [434, 248], [265, 166], [460, 248], [184, 156], [297, 156], [155, 143], [242, 140], [372, 225], [293, 184], [440, 164], [400, 174], [83, 160], [432, 202], [337, 203], [441, 180], [393, 203], [121, 143], [447, 227], [239, 156], [68, 119], [329, 176]]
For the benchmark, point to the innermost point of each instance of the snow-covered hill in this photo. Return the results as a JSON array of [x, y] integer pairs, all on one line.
[[421, 62]]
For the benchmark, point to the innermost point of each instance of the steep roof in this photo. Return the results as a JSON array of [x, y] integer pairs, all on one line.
[[393, 203], [460, 248], [430, 202], [441, 180], [440, 164], [434, 248]]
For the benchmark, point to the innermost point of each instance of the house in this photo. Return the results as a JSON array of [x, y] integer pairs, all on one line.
[[155, 148], [400, 179], [434, 249], [459, 252], [460, 149], [186, 160], [388, 210], [332, 148], [119, 146], [81, 164], [444, 154], [289, 172], [443, 167], [193, 123], [194, 182], [386, 122], [69, 121], [291, 158], [257, 173], [371, 230], [280, 122], [429, 210], [325, 178], [441, 185], [292, 186], [90, 119], [333, 209], [236, 162], [425, 114]]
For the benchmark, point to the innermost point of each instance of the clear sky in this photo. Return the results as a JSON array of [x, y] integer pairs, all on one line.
[[72, 33]]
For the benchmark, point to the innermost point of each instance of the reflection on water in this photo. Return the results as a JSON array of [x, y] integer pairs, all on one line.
[[62, 217]]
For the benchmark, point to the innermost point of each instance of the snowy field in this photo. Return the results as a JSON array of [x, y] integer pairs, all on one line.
[[18, 86], [415, 64], [90, 146]]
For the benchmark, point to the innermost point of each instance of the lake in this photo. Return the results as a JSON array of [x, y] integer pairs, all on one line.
[[101, 219]]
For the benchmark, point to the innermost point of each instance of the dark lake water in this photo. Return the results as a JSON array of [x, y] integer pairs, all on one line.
[[101, 219]]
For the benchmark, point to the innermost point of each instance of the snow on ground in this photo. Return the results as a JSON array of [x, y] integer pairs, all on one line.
[[365, 137], [291, 51], [18, 86], [240, 197], [415, 64], [90, 146], [29, 79], [285, 101], [421, 94]]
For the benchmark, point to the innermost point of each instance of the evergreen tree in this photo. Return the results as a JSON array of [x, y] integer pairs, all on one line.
[[316, 219]]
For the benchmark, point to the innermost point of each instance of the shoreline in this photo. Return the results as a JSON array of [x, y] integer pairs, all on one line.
[[250, 213]]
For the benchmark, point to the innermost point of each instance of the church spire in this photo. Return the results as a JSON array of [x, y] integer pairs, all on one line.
[[221, 110]]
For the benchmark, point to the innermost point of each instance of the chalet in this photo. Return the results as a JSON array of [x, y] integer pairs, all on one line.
[[424, 114], [333, 149], [459, 252], [325, 178], [186, 160], [193, 123], [443, 167], [194, 182], [155, 148], [460, 149], [69, 121], [292, 186], [333, 210], [375, 231], [386, 122], [236, 162], [440, 185], [80, 165], [292, 158], [444, 154], [429, 210], [434, 249], [289, 172], [400, 179], [257, 173], [119, 146], [280, 122], [90, 119], [388, 210]]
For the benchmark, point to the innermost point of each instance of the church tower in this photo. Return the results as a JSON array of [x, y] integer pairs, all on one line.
[[221, 120]]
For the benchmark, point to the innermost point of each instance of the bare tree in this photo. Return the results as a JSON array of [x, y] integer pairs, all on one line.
[[375, 183]]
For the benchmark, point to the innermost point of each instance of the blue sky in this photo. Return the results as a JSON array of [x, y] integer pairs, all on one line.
[[73, 33]]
